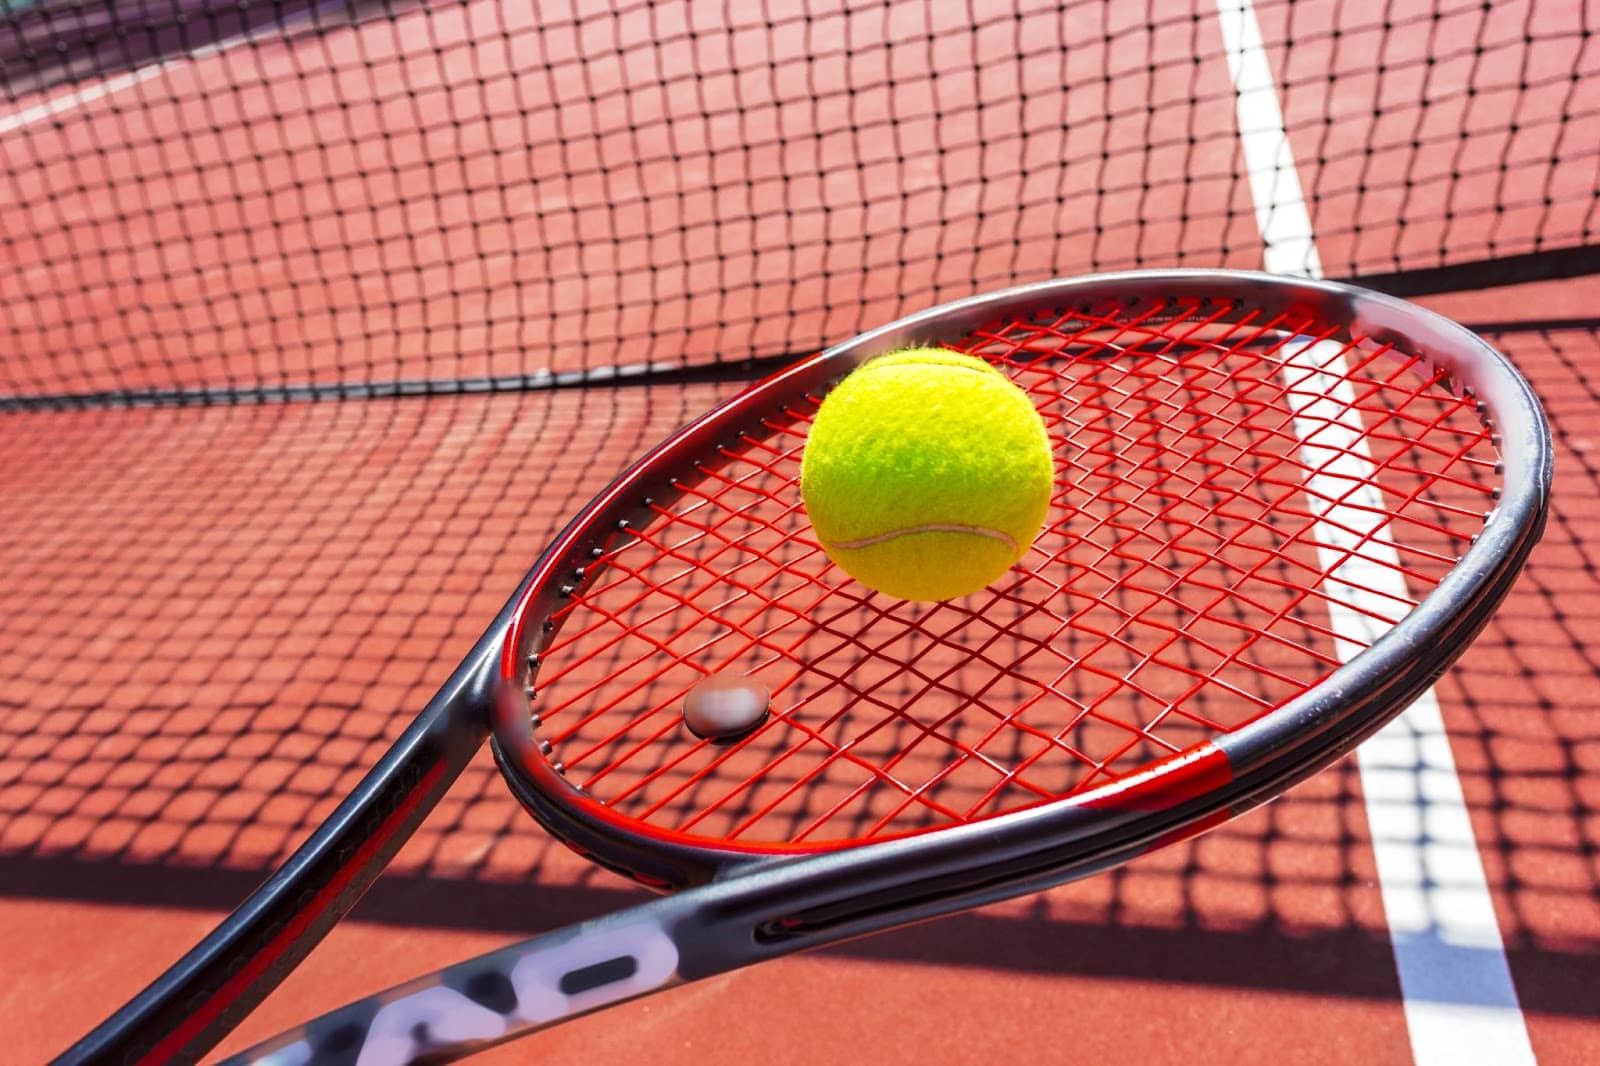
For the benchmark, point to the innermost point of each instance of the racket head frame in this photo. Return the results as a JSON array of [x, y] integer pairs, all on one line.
[[1176, 797]]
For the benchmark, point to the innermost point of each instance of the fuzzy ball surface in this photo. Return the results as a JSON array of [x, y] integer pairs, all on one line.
[[927, 474]]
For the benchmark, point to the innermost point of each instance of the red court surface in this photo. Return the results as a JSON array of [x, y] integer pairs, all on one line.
[[215, 616]]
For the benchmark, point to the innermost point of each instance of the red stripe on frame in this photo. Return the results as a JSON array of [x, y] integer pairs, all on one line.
[[1193, 829], [236, 985], [1170, 782]]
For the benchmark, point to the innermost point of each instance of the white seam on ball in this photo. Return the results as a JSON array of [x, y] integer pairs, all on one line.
[[884, 538], [988, 370]]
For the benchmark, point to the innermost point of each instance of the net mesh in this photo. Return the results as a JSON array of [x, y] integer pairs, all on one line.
[[216, 611], [275, 194]]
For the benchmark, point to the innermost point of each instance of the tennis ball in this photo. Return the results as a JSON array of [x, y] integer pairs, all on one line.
[[926, 474]]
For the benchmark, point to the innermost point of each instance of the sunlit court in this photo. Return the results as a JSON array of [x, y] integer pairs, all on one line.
[[377, 593]]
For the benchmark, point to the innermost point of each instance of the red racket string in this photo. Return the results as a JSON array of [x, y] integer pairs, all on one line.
[[1181, 588]]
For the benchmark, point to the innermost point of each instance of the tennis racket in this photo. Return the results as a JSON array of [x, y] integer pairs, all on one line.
[[1282, 509]]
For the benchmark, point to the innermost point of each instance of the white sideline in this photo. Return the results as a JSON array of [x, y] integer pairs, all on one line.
[[77, 97], [1460, 1004]]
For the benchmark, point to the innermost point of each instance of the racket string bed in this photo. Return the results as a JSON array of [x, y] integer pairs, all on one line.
[[1177, 592]]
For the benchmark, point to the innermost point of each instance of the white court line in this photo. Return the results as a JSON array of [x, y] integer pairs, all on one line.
[[77, 97], [1460, 1004]]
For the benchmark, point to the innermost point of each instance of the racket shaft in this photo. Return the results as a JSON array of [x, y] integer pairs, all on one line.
[[758, 915]]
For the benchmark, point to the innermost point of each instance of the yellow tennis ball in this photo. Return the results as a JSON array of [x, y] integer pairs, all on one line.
[[926, 474]]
